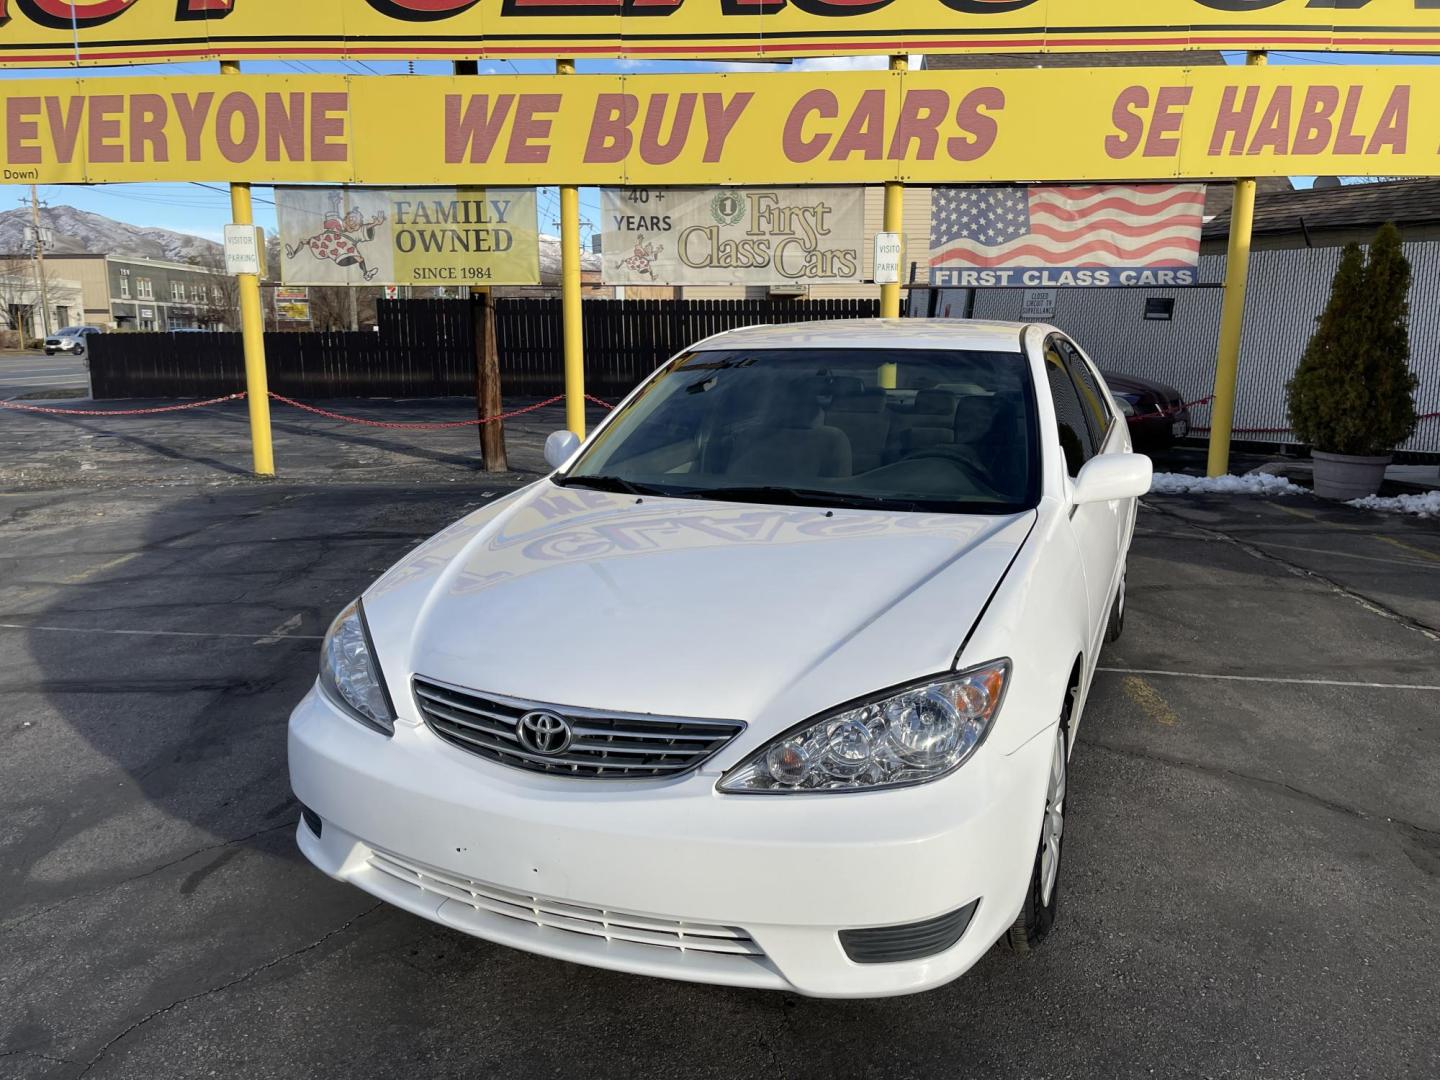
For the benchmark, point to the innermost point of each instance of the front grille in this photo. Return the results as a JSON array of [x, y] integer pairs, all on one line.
[[603, 745], [561, 915]]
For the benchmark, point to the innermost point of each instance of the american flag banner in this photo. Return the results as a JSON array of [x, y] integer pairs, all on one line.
[[1081, 235]]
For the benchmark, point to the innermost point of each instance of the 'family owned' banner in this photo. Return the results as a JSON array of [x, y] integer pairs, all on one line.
[[407, 236], [857, 127], [732, 236], [62, 32]]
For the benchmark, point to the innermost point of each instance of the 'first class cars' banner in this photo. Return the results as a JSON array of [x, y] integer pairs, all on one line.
[[931, 127], [59, 32]]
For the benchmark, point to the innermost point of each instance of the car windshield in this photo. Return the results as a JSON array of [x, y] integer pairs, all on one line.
[[71, 331], [913, 429]]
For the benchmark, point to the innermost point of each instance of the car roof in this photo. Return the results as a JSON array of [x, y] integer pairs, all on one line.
[[975, 334]]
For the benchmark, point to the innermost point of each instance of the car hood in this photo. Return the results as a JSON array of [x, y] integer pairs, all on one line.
[[683, 607]]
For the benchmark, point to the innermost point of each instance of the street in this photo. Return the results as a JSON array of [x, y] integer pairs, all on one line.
[[1250, 884], [35, 373]]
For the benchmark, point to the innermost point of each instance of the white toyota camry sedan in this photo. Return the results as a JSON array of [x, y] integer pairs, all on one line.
[[772, 682]]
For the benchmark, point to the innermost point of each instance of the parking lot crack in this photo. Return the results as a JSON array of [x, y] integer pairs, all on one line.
[[13, 924], [1372, 605], [1416, 832], [37, 1056], [228, 984]]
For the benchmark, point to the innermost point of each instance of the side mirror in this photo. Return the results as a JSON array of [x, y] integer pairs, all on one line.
[[560, 447], [1113, 476]]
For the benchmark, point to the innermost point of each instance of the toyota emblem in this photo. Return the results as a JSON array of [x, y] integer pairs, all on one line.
[[543, 733]]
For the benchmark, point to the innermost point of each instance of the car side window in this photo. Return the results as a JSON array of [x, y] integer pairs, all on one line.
[[1076, 440], [1092, 399]]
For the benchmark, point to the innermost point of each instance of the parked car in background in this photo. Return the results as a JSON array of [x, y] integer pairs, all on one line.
[[72, 339], [1155, 412], [773, 682]]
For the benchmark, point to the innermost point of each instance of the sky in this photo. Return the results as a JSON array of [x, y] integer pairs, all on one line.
[[203, 209]]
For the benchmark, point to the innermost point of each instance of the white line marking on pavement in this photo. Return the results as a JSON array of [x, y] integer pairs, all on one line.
[[1269, 679], [281, 632], [160, 633]]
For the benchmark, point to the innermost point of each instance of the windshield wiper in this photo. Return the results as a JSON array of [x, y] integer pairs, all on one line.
[[776, 494], [605, 483]]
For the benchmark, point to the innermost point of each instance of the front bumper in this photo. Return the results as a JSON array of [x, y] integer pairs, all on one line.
[[682, 882]]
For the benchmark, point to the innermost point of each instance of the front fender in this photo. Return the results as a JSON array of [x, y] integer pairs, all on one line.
[[1038, 617]]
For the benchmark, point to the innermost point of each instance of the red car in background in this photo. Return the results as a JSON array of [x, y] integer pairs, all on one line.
[[1157, 413]]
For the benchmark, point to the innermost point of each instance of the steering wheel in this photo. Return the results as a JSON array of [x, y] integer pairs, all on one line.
[[974, 472]]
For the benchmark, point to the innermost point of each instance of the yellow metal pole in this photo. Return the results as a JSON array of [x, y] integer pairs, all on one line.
[[252, 325], [1232, 318], [570, 295], [894, 221]]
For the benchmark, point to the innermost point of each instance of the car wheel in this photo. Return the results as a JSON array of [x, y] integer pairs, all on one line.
[[1036, 918], [49, 352], [1116, 626]]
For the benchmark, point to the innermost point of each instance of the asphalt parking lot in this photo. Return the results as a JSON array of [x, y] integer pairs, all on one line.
[[1250, 882]]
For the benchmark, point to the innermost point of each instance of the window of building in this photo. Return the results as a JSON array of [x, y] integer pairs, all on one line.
[[177, 290], [144, 288], [125, 287]]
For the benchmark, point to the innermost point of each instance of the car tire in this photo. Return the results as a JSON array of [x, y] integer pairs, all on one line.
[[49, 352], [1037, 916], [1116, 626]]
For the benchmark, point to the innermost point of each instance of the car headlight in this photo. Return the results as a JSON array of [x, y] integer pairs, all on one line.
[[349, 673], [903, 737]]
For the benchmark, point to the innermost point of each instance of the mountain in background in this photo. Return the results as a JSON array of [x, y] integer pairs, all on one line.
[[81, 231]]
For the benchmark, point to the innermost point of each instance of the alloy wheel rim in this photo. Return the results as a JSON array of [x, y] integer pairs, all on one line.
[[1052, 829]]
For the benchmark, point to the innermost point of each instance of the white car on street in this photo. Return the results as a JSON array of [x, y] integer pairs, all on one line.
[[772, 683]]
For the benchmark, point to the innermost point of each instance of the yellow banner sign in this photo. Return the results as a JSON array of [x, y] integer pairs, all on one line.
[[53, 32], [935, 127], [407, 236]]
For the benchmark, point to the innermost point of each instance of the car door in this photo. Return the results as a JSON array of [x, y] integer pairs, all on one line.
[[1108, 427], [1093, 524]]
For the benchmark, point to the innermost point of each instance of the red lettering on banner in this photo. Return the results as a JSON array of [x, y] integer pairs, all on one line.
[[421, 10], [972, 117], [148, 113], [610, 139], [1274, 130], [1127, 122], [22, 128], [1233, 122], [104, 142], [865, 130], [531, 124], [1164, 140], [475, 131], [720, 118], [1347, 140], [1314, 127], [191, 115], [327, 125], [285, 127], [65, 130], [796, 147], [1393, 131], [62, 14], [652, 150], [921, 112], [242, 107]]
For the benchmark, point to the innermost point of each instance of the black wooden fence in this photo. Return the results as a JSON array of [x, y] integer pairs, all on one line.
[[425, 348]]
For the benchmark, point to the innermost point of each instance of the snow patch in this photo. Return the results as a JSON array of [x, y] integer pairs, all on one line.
[[1426, 505], [1250, 484]]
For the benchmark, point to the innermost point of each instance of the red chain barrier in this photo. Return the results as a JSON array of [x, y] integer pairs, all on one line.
[[415, 425], [599, 401], [120, 412]]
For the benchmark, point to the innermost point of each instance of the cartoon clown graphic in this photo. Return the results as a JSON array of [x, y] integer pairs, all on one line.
[[340, 237], [641, 261]]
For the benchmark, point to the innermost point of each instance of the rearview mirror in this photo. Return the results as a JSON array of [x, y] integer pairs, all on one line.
[[560, 447], [1113, 476]]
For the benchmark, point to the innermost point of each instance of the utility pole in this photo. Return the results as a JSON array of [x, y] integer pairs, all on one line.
[[40, 262]]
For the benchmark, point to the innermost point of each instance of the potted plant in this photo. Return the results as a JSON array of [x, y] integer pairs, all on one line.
[[1353, 397]]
